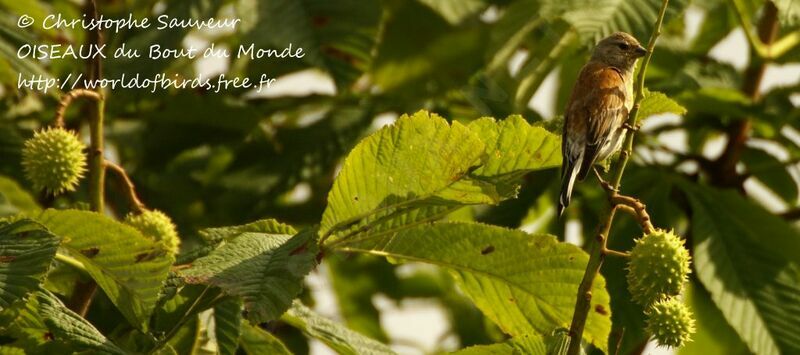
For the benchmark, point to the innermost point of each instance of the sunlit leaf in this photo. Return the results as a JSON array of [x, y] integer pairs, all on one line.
[[129, 267], [524, 283]]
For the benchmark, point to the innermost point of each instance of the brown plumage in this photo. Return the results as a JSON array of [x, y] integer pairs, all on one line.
[[597, 109]]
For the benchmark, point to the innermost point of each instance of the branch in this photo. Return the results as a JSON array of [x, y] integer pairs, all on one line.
[[129, 187], [599, 250], [67, 99], [635, 207], [84, 292]]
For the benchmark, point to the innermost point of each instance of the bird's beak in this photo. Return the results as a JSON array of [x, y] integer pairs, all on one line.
[[640, 51]]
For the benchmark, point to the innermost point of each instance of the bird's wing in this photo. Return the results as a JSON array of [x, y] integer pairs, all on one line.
[[597, 106]]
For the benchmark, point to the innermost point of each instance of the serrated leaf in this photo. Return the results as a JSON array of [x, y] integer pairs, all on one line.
[[514, 148], [525, 283], [129, 267], [14, 199], [26, 251], [342, 340], [422, 168], [227, 325], [257, 341], [747, 259], [266, 270], [656, 103], [68, 326], [399, 166]]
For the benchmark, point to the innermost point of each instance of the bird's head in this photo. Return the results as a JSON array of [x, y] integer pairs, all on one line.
[[620, 50]]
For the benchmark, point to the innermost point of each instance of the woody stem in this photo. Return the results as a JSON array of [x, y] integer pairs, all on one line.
[[599, 248]]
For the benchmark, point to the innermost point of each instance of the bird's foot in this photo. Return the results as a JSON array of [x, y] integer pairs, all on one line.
[[606, 186], [632, 128]]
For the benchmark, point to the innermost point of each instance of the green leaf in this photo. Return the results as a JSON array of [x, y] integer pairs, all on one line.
[[525, 283], [14, 199], [748, 259], [342, 340], [257, 341], [227, 325], [264, 268], [129, 267], [532, 344], [26, 251], [656, 103], [421, 168], [71, 327], [514, 148], [400, 166]]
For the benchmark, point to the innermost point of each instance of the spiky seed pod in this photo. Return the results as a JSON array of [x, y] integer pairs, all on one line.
[[53, 160], [156, 225], [670, 322], [658, 267]]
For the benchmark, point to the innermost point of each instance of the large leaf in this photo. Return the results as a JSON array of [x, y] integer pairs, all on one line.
[[421, 169], [26, 251], [748, 259], [342, 340], [525, 283], [405, 164], [129, 267], [264, 268], [70, 327]]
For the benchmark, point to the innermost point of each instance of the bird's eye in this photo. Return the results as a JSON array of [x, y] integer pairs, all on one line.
[[624, 46]]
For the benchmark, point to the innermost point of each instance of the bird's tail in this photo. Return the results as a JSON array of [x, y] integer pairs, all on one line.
[[569, 172]]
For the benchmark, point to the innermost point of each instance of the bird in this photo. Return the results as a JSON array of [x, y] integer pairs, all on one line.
[[595, 115]]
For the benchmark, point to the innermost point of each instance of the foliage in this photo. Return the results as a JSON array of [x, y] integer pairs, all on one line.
[[452, 203]]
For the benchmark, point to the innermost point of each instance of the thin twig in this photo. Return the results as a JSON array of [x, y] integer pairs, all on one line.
[[67, 99], [137, 204], [636, 208], [597, 256]]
